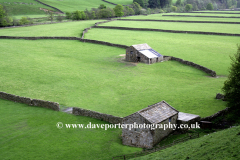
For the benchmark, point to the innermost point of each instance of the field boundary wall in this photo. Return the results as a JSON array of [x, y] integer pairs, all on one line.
[[50, 6], [171, 31], [155, 20], [31, 102], [192, 64], [93, 114], [218, 114], [199, 16]]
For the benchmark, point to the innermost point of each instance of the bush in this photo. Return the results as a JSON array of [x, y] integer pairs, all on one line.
[[24, 21], [174, 8], [209, 6], [188, 7], [68, 15]]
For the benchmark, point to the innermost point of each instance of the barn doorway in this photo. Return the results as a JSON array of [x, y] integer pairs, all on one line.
[[138, 59]]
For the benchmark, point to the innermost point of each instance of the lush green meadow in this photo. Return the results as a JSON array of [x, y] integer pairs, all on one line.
[[31, 133], [210, 27], [74, 5], [67, 29], [220, 145], [206, 14], [160, 17], [94, 77], [24, 7]]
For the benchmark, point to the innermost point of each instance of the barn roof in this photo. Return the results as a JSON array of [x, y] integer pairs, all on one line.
[[146, 50], [150, 53], [141, 46], [158, 112]]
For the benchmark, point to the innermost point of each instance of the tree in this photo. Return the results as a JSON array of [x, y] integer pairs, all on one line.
[[140, 2], [131, 11], [118, 9], [102, 6], [231, 86], [174, 8], [154, 3], [188, 7], [178, 3], [136, 8], [50, 15], [24, 21], [209, 6], [4, 19], [68, 15]]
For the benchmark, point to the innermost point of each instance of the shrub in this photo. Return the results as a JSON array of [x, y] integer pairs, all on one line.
[[174, 8], [68, 15], [209, 6], [188, 7], [24, 21], [118, 9]]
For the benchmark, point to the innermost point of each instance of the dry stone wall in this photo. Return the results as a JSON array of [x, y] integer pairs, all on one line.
[[105, 117], [200, 16], [31, 102], [218, 114], [171, 31], [50, 6], [37, 38], [202, 68], [178, 21]]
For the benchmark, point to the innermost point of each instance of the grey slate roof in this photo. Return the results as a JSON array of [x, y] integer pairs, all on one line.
[[158, 112], [140, 47]]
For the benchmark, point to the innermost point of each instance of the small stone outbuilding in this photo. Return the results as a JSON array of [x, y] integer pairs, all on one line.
[[160, 113], [143, 53]]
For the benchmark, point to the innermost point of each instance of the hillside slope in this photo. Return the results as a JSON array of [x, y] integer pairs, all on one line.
[[218, 145]]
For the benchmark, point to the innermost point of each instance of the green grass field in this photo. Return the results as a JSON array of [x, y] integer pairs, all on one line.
[[211, 27], [74, 5], [160, 17], [31, 133], [220, 145], [24, 7], [207, 14], [68, 29]]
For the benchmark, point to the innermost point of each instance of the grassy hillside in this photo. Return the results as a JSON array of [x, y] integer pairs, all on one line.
[[74, 5], [219, 145], [23, 7], [31, 133]]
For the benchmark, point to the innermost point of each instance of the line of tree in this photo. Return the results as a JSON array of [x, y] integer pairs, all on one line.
[[105, 12]]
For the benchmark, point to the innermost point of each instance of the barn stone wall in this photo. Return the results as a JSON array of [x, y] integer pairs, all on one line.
[[160, 133], [31, 102], [136, 137], [135, 53], [105, 117]]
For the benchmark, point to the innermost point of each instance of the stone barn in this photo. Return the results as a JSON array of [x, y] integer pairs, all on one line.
[[143, 53], [160, 113]]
